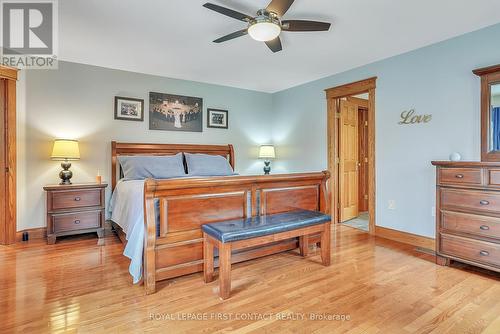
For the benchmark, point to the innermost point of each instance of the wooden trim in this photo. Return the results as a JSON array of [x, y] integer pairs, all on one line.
[[489, 75], [353, 88], [118, 149], [333, 104], [371, 161], [405, 237], [8, 73], [9, 219], [34, 233], [486, 70]]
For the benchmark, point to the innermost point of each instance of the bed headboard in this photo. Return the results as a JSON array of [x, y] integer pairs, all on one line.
[[118, 149]]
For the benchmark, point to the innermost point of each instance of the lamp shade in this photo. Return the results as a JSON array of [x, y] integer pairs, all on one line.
[[267, 152], [65, 149], [264, 31]]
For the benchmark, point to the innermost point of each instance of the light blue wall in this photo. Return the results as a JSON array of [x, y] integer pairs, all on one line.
[[77, 101], [434, 80]]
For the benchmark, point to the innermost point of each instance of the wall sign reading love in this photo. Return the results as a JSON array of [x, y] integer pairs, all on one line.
[[409, 117]]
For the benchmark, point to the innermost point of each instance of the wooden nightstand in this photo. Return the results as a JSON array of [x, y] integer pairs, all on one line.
[[74, 209]]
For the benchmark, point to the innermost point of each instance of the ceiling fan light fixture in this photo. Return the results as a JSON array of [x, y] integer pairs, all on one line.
[[264, 31]]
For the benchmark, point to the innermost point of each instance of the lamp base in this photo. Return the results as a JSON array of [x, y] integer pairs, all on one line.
[[267, 167], [65, 175]]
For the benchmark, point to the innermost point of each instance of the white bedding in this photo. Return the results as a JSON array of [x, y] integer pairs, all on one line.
[[127, 210]]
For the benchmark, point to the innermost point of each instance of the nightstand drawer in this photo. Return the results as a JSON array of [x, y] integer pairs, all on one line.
[[75, 199], [76, 221]]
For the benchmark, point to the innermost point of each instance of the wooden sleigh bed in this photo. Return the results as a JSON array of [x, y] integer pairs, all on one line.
[[186, 204]]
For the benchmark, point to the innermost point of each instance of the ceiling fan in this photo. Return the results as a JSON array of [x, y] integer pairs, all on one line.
[[267, 25]]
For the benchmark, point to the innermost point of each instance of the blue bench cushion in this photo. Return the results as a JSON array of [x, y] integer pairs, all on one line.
[[248, 228]]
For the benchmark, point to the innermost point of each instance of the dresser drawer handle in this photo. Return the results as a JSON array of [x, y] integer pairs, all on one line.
[[77, 221], [459, 176], [77, 199], [484, 202], [484, 253], [484, 227]]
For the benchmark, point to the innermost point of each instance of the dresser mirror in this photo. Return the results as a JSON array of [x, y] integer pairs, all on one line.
[[490, 112]]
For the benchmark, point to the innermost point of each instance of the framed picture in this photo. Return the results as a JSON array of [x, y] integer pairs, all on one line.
[[129, 109], [217, 118], [175, 112]]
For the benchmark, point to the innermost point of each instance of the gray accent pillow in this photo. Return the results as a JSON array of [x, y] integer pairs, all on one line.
[[157, 167], [207, 165]]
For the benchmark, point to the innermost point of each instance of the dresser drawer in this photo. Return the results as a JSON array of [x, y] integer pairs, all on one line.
[[470, 200], [472, 224], [469, 249], [469, 176], [494, 177], [75, 199], [76, 221]]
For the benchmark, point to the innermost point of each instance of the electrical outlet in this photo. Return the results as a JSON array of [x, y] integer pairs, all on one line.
[[392, 204], [433, 211]]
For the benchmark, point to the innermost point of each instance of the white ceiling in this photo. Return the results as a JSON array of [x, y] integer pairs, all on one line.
[[172, 38]]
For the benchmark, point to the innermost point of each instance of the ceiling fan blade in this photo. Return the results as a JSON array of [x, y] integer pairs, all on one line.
[[228, 12], [279, 7], [303, 25], [233, 35], [274, 44]]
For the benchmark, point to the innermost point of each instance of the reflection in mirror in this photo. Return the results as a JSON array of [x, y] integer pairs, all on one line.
[[495, 117]]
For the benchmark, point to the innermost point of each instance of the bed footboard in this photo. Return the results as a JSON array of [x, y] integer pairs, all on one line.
[[175, 247]]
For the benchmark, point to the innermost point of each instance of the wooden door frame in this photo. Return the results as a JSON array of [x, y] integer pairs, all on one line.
[[8, 231], [333, 96]]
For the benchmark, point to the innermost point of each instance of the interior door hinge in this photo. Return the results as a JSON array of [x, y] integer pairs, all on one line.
[[366, 196], [337, 115], [6, 169], [337, 160], [366, 123]]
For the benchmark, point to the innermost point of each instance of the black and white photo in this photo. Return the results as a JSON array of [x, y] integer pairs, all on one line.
[[129, 109], [217, 118]]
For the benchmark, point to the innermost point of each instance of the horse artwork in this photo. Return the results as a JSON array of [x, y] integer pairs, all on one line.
[[175, 112]]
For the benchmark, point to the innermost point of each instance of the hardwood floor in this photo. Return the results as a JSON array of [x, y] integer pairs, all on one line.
[[383, 286]]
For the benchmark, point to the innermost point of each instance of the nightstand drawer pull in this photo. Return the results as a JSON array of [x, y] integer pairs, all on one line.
[[484, 202], [484, 227], [459, 176], [77, 221], [77, 199], [484, 253]]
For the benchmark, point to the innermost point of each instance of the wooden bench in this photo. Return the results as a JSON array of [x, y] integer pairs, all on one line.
[[255, 231]]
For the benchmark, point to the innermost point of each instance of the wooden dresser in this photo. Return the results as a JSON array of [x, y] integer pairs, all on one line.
[[468, 213], [75, 209]]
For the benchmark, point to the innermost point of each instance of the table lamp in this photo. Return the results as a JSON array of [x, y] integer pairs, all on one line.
[[65, 150], [267, 152]]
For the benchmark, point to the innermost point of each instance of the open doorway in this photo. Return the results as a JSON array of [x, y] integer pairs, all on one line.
[[351, 153]]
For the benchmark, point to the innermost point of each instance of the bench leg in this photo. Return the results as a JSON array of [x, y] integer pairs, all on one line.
[[304, 245], [224, 270], [208, 259], [325, 245]]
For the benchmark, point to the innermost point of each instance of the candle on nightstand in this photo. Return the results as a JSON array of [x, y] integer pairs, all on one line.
[[98, 178]]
